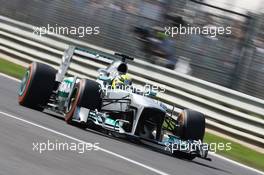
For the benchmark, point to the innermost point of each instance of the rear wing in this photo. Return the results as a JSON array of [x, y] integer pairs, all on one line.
[[86, 54]]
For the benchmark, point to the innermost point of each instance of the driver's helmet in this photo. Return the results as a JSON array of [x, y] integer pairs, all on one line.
[[121, 81]]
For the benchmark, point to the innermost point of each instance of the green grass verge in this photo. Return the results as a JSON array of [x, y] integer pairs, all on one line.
[[11, 69], [238, 152]]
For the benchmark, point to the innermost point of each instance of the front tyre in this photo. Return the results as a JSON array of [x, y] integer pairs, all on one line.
[[192, 125], [87, 94], [36, 86]]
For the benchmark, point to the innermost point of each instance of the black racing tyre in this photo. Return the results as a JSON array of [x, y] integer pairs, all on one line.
[[86, 93], [192, 125], [36, 86]]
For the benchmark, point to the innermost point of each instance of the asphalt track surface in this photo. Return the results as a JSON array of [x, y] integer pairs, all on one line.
[[20, 127]]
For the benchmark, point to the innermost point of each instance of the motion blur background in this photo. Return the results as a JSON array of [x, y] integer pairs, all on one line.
[[235, 61]]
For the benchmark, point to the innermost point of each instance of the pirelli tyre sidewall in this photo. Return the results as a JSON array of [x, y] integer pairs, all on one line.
[[86, 94], [192, 125], [36, 86]]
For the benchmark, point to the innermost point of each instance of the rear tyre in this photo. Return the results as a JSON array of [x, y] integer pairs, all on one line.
[[192, 125], [86, 93], [36, 86]]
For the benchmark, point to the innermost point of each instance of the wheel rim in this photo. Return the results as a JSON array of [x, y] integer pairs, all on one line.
[[23, 83], [72, 99]]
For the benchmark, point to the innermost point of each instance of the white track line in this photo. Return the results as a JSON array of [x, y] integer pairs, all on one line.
[[132, 161], [9, 77], [236, 163], [82, 141]]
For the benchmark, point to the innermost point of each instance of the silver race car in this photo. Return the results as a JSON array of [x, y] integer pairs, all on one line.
[[113, 105]]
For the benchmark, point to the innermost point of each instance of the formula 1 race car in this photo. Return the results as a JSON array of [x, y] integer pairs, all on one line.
[[120, 112]]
